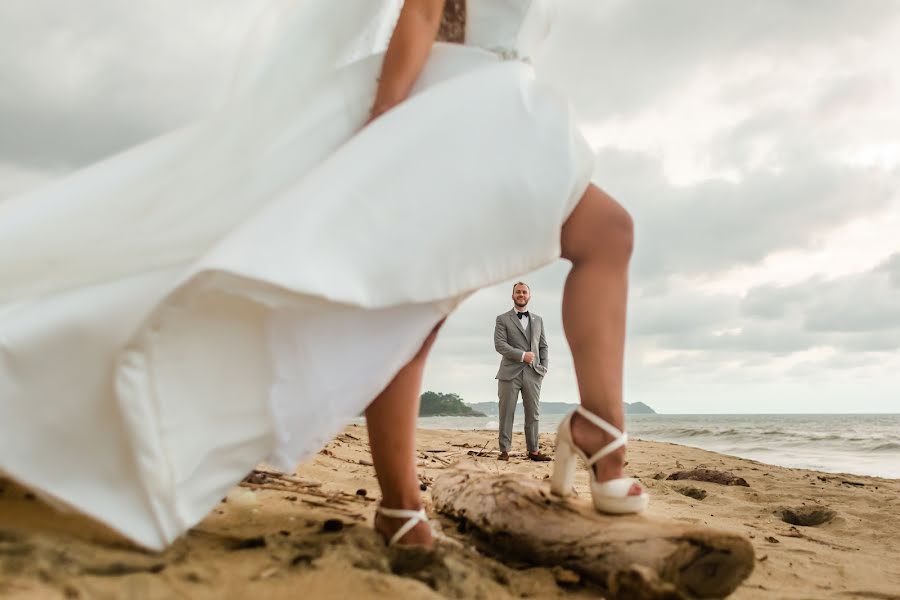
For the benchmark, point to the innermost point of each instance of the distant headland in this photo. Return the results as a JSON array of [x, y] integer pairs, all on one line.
[[434, 404], [555, 408]]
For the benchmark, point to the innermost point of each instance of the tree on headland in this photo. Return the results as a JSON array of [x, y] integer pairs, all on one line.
[[434, 404]]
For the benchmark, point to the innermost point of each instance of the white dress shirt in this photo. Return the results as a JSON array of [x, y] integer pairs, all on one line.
[[523, 323]]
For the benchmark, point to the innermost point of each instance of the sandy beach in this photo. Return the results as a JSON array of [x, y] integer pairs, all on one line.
[[309, 534]]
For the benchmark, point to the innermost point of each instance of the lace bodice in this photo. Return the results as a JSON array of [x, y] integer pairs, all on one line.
[[453, 22], [512, 29]]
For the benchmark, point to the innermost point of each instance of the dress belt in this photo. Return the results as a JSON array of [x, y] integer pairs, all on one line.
[[509, 54]]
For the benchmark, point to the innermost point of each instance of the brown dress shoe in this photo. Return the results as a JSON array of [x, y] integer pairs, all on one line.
[[538, 457], [503, 456]]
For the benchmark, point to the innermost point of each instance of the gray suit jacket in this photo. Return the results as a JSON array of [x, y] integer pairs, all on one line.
[[510, 340]]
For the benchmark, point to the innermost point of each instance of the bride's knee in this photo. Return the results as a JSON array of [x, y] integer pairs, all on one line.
[[599, 227], [620, 232]]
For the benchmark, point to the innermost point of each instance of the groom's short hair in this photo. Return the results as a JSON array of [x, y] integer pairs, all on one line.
[[518, 283]]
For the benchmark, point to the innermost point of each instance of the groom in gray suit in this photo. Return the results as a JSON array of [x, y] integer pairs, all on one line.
[[519, 338]]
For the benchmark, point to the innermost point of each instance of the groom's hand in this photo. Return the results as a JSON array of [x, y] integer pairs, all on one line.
[[529, 357]]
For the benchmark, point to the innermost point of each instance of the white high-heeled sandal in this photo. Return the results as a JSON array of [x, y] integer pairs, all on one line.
[[413, 517], [609, 496]]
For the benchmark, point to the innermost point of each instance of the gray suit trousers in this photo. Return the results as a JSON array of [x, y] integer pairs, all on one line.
[[528, 382]]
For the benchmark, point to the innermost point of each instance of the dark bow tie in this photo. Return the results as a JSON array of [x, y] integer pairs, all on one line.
[[522, 314]]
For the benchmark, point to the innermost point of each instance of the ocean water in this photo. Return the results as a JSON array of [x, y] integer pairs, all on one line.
[[855, 444]]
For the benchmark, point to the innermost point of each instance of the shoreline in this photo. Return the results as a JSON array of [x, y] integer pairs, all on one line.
[[493, 432], [862, 444], [319, 539]]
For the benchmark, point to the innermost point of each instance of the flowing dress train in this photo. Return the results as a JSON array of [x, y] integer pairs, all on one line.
[[239, 289]]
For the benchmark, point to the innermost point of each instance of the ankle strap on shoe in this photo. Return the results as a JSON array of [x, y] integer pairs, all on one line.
[[619, 438], [414, 517]]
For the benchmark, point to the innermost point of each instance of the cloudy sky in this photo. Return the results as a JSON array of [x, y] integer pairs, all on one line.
[[757, 145]]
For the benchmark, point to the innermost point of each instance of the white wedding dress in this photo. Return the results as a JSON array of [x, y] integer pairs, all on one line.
[[239, 289]]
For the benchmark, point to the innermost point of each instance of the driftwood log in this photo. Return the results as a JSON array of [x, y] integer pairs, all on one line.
[[710, 476], [631, 556]]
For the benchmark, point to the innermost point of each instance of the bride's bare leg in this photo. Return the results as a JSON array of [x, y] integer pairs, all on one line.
[[391, 421], [598, 238]]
